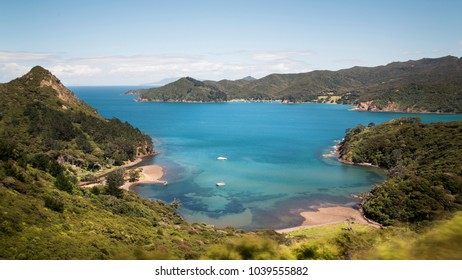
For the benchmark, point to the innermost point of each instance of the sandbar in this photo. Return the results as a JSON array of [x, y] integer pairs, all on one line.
[[149, 174]]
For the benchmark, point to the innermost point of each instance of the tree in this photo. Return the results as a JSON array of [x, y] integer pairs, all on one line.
[[113, 182], [134, 175], [64, 183]]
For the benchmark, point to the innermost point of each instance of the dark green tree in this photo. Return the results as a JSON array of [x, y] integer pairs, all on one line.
[[64, 183], [113, 182], [134, 175]]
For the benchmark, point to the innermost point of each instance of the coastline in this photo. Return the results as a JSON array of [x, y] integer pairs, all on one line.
[[101, 174], [149, 174], [334, 214], [331, 215]]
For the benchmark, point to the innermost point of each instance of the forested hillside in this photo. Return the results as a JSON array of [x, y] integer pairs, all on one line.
[[424, 162], [184, 90], [426, 85]]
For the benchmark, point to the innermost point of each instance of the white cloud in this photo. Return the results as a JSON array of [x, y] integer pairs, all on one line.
[[11, 70], [7, 56], [279, 55], [140, 69], [74, 70]]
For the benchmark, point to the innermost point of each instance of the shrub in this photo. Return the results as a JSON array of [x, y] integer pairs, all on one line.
[[54, 204]]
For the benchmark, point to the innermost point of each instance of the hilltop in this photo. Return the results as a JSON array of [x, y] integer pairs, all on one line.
[[42, 117], [425, 85], [187, 89]]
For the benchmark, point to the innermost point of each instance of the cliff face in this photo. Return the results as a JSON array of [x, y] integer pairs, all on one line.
[[391, 106]]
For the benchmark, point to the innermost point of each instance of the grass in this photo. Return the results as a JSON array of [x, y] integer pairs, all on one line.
[[321, 242]]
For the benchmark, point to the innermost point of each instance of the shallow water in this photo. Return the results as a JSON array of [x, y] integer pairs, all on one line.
[[275, 167]]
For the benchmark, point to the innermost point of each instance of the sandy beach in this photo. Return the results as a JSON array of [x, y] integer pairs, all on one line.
[[149, 174], [330, 215], [100, 175]]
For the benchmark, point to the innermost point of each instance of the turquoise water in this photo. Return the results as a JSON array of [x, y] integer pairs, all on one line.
[[275, 168]]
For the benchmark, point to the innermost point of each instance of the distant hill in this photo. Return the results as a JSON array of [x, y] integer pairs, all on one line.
[[184, 90], [426, 85], [248, 78]]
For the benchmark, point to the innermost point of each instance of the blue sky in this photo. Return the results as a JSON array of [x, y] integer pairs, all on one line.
[[134, 42]]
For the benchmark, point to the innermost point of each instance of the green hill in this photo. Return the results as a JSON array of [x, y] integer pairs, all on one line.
[[184, 90], [427, 85], [424, 163], [45, 120]]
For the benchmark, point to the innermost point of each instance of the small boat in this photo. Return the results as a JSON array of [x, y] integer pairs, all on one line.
[[220, 184], [222, 158]]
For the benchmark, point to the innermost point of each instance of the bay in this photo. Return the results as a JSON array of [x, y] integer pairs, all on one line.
[[275, 166]]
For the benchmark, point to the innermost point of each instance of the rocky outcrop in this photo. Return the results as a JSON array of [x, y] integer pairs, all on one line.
[[366, 106], [390, 107]]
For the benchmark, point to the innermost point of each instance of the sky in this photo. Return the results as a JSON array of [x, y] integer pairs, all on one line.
[[136, 42]]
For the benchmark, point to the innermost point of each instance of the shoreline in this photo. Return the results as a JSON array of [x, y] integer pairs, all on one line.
[[331, 215], [100, 175], [149, 174], [239, 101]]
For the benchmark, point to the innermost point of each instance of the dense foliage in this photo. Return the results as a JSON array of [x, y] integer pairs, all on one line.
[[430, 85], [46, 122], [424, 163]]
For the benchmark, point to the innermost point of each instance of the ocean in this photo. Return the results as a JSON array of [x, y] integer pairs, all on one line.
[[275, 166]]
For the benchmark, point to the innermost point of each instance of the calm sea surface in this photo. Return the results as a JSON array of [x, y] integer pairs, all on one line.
[[275, 168]]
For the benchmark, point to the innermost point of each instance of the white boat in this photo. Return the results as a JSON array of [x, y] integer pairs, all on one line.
[[220, 184], [222, 158]]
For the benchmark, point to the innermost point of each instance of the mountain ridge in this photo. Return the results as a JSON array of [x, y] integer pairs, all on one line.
[[397, 86]]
